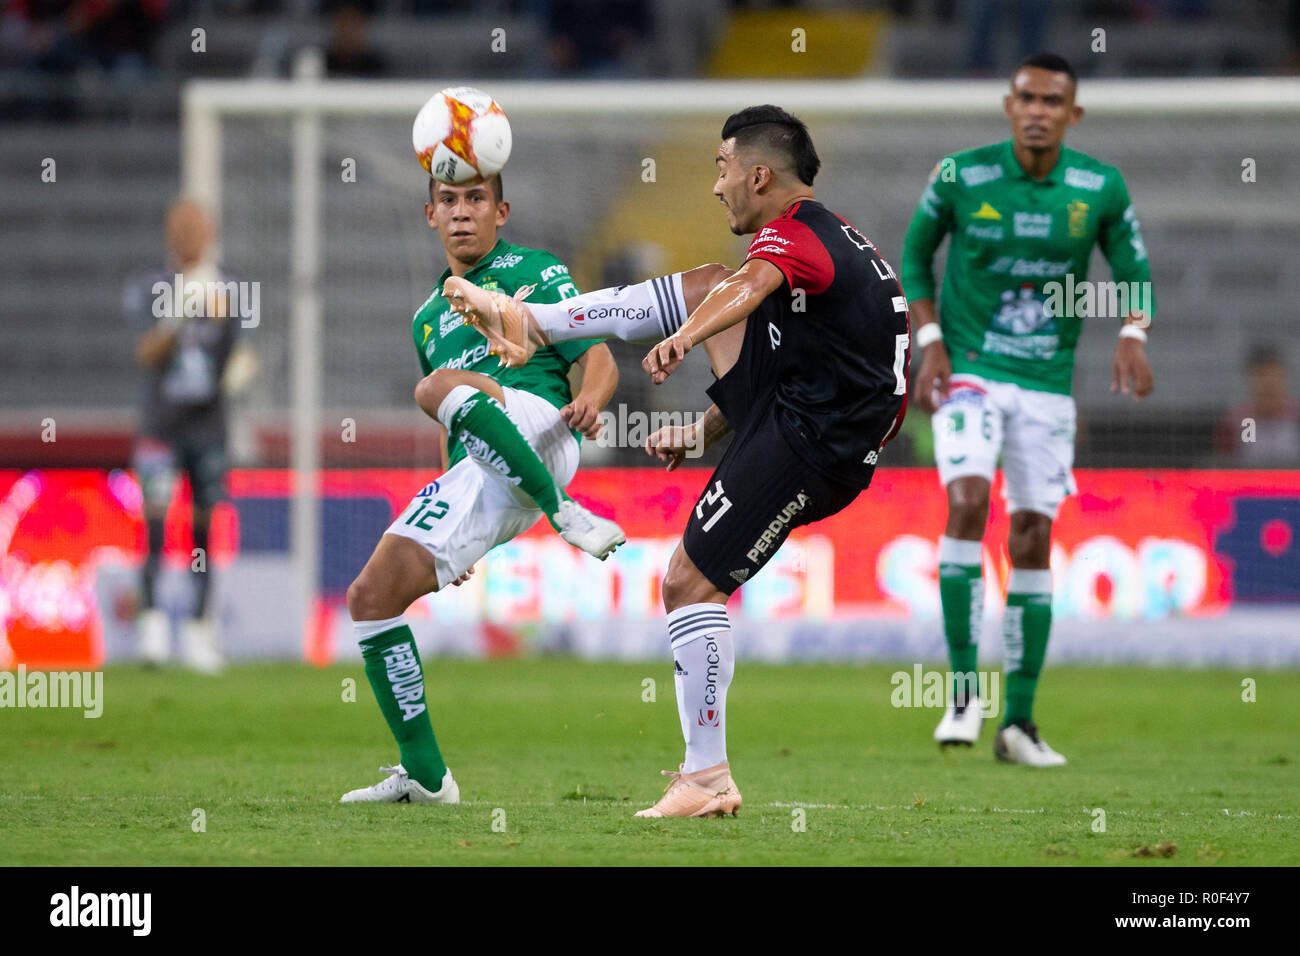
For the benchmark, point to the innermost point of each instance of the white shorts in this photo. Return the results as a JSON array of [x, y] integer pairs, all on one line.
[[470, 509], [1032, 430]]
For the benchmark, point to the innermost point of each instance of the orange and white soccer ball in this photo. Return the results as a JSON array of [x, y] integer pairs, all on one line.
[[461, 136]]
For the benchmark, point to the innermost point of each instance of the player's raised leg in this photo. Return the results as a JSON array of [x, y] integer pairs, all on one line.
[[399, 571], [647, 311], [704, 661], [471, 407]]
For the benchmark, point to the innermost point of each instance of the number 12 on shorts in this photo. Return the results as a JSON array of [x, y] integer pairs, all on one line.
[[712, 497]]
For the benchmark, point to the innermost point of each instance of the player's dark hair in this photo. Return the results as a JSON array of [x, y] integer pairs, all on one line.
[[1263, 355], [773, 131], [1053, 62], [498, 190]]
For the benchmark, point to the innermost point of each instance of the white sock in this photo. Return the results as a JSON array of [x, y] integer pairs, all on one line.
[[454, 400], [645, 312], [704, 660], [366, 629]]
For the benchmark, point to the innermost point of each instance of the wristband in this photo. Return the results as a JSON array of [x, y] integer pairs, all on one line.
[[1131, 331], [927, 334]]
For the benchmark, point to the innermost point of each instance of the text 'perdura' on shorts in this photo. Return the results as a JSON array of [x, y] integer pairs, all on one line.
[[760, 491]]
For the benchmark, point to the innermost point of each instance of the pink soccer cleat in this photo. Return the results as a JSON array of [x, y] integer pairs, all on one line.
[[503, 320], [705, 793]]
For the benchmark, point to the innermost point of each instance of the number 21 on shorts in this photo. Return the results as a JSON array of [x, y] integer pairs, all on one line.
[[712, 497]]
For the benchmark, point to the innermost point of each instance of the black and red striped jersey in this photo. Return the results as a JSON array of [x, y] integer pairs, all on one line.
[[830, 347]]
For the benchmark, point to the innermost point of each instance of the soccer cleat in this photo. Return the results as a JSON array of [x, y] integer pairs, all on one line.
[[199, 647], [503, 320], [1020, 743], [960, 725], [153, 634], [586, 531], [705, 793], [398, 787]]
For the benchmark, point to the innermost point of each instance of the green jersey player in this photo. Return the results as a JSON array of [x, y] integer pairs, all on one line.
[[512, 442], [1022, 217]]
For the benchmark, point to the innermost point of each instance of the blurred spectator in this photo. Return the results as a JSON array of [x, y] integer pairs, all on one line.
[[1271, 417], [1032, 18], [602, 38], [61, 36], [349, 52]]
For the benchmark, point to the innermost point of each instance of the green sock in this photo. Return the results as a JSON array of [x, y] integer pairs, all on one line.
[[393, 669], [494, 440], [961, 592], [1025, 627]]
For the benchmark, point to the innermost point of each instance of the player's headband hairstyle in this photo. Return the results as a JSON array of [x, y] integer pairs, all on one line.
[[498, 190], [772, 130], [1052, 62]]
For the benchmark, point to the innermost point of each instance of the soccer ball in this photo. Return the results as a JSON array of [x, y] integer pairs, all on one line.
[[461, 136]]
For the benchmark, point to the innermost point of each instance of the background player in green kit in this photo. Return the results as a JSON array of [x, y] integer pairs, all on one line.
[[512, 442], [996, 366]]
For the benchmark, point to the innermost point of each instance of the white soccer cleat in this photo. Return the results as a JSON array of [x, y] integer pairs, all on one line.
[[960, 726], [199, 650], [398, 787], [154, 635], [586, 531], [1018, 743]]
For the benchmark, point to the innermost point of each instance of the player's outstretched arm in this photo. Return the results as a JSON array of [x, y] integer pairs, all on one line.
[[729, 302], [599, 380]]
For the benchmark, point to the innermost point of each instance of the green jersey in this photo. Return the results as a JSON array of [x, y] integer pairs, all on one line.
[[443, 340], [1019, 250]]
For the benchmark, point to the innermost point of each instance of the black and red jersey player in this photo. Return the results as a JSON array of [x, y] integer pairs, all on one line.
[[818, 388], [809, 338]]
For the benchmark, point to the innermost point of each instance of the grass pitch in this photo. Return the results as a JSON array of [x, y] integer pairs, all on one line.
[[558, 754]]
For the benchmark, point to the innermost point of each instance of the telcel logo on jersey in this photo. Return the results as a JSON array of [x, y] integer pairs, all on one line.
[[469, 357]]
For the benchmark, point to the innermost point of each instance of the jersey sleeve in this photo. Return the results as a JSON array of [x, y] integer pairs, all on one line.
[[794, 249], [425, 367], [932, 220], [1120, 238], [554, 284]]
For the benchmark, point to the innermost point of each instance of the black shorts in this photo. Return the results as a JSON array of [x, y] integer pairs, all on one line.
[[158, 464], [760, 491]]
